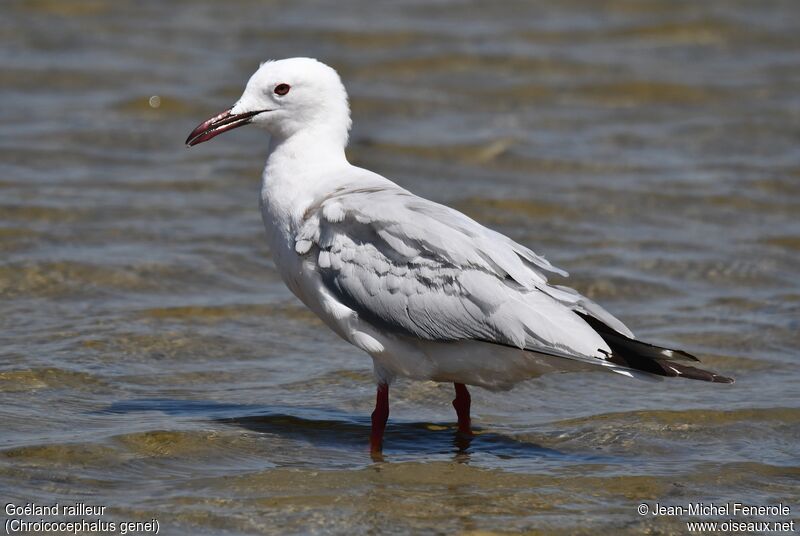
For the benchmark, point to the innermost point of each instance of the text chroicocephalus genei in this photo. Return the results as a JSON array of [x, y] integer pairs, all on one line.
[[426, 291]]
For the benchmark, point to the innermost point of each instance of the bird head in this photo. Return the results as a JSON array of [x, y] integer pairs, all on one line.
[[285, 97]]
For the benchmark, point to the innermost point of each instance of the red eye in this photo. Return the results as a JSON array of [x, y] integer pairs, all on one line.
[[282, 89]]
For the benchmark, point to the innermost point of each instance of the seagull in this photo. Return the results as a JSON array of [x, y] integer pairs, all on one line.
[[427, 292]]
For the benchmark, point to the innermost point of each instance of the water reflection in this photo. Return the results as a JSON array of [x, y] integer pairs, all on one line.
[[332, 429]]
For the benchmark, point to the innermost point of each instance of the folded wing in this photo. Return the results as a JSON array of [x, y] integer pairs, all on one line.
[[415, 267]]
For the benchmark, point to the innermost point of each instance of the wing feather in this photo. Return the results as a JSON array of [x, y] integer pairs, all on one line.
[[413, 266]]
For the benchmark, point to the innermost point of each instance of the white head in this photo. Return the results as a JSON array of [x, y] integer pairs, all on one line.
[[286, 97]]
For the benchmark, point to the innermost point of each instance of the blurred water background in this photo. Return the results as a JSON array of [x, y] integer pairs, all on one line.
[[152, 361]]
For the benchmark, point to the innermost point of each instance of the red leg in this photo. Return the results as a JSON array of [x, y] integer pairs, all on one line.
[[462, 403], [379, 418]]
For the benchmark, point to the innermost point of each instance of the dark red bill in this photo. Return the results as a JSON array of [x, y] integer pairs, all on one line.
[[218, 124]]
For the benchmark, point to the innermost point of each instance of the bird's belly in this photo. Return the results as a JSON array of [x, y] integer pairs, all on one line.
[[478, 363], [302, 279]]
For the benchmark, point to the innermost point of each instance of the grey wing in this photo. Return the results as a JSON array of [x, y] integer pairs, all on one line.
[[415, 267]]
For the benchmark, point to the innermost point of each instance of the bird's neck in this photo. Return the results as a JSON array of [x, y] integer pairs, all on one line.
[[308, 147], [301, 168]]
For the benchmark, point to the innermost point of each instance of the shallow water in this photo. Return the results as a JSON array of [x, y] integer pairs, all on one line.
[[152, 360]]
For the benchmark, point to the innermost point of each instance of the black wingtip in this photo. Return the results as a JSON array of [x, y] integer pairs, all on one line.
[[639, 355], [693, 373]]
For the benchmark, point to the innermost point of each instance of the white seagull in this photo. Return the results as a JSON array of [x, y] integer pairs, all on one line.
[[426, 291]]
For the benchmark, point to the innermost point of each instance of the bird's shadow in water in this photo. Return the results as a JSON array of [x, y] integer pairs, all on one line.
[[333, 429]]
